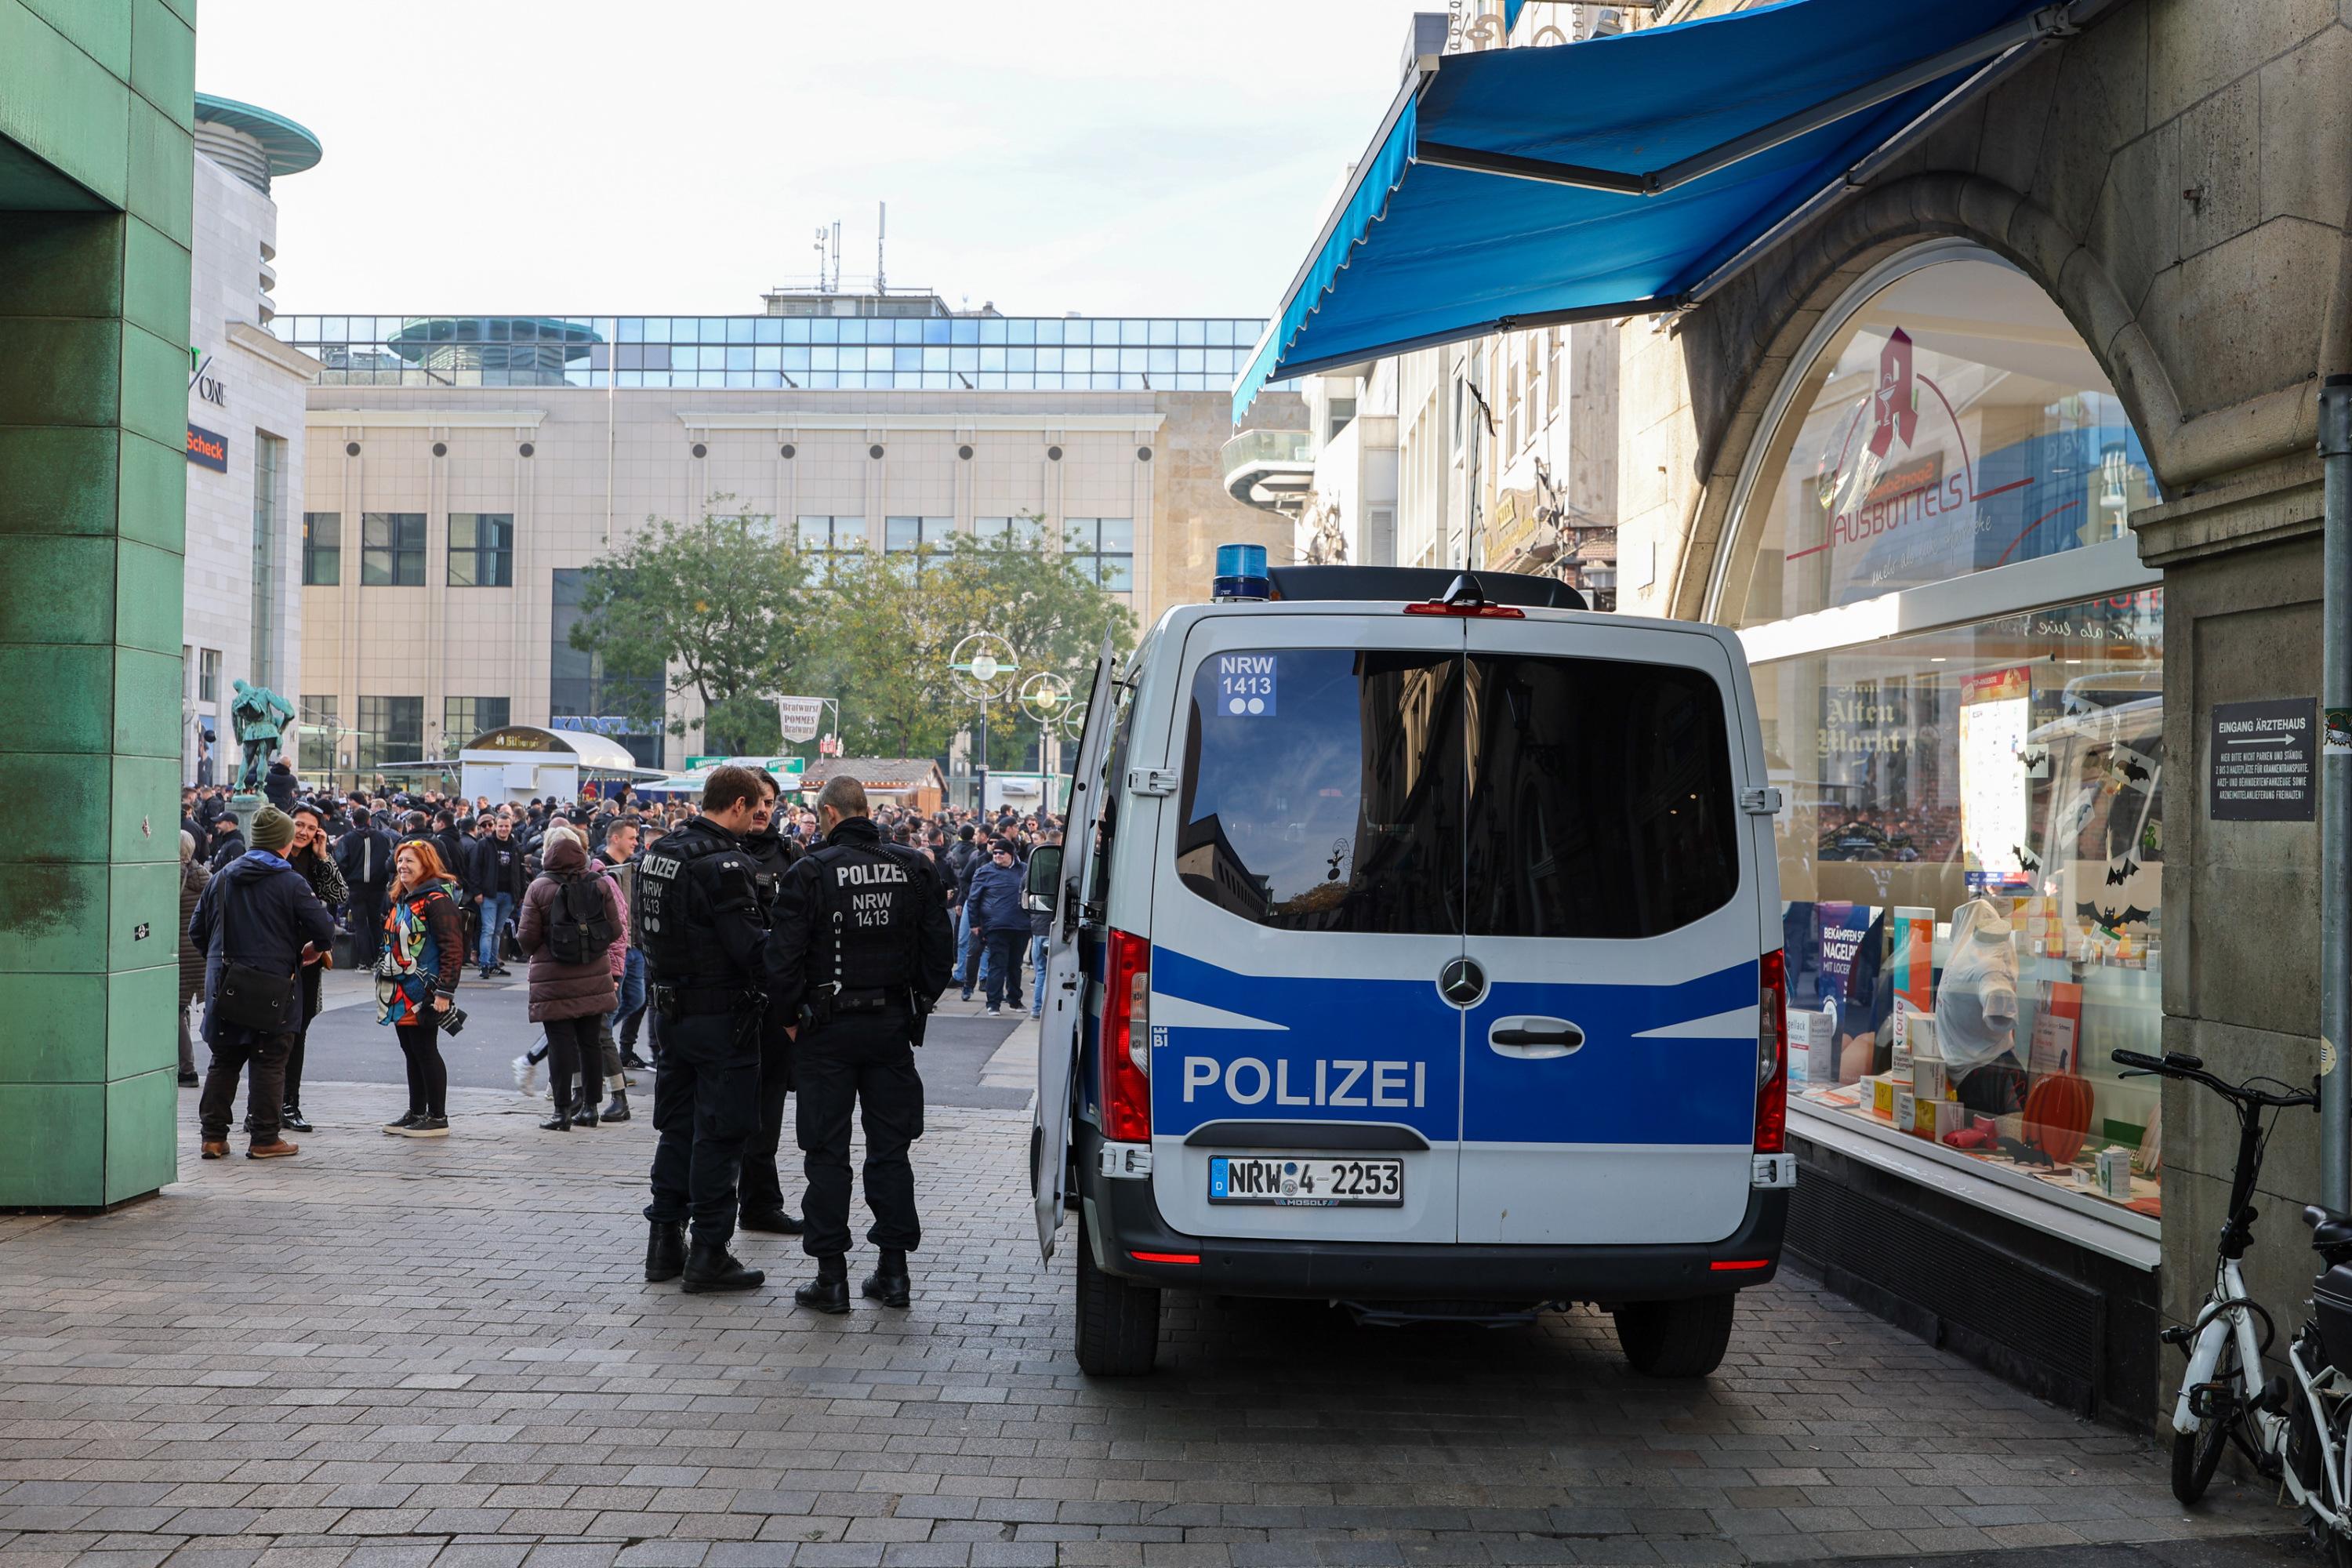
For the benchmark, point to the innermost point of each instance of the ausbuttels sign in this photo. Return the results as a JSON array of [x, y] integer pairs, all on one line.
[[800, 717]]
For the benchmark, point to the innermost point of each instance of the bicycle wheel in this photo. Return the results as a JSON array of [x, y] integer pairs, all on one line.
[[2196, 1453]]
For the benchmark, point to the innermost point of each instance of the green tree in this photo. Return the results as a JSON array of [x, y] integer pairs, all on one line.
[[716, 606], [882, 633]]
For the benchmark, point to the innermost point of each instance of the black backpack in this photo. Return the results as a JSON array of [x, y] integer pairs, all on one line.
[[580, 926]]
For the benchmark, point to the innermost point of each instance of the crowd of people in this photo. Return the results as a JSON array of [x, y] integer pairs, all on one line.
[[423, 885]]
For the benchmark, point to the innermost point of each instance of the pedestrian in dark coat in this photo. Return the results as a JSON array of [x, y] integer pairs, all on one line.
[[278, 783], [258, 913], [365, 856], [570, 999], [226, 846]]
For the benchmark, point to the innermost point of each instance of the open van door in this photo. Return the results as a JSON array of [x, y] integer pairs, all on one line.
[[1062, 1022]]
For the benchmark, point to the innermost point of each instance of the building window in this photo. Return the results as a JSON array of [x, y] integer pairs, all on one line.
[[208, 666], [481, 550], [463, 719], [1338, 417], [392, 729], [268, 469], [322, 549], [580, 685], [1025, 530], [392, 549], [1912, 452], [915, 538], [1105, 547], [320, 719], [823, 539]]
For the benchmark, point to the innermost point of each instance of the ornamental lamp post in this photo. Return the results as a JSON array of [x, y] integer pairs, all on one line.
[[982, 666]]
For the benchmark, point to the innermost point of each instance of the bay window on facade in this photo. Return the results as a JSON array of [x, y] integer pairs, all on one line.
[[1958, 661]]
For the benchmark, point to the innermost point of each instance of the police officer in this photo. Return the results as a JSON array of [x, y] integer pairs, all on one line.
[[864, 948], [705, 950], [762, 1194]]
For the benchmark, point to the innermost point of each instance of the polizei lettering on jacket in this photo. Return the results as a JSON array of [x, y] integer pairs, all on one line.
[[1338, 1081], [856, 873]]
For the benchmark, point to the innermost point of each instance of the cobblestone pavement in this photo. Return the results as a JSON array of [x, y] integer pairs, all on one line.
[[389, 1353]]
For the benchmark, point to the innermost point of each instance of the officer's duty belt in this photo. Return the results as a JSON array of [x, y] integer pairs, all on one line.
[[687, 1001]]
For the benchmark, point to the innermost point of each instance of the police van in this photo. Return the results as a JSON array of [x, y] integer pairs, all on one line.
[[1416, 948]]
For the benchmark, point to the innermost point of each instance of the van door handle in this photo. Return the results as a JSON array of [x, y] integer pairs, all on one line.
[[1534, 1039]]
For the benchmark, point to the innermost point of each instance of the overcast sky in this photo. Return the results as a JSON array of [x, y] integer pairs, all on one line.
[[660, 156]]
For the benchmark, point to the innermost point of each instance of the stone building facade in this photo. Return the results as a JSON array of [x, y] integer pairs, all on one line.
[[2173, 181]]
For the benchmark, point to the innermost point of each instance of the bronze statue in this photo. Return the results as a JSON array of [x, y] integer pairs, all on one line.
[[259, 715]]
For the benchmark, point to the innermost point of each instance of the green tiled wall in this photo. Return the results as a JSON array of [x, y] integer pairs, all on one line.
[[93, 496]]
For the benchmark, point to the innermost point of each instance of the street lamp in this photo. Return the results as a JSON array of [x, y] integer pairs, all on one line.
[[983, 665], [1044, 696]]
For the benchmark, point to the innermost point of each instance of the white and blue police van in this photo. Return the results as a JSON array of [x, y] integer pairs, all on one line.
[[1416, 948]]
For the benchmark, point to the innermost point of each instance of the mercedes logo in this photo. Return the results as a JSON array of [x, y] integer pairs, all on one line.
[[1461, 982]]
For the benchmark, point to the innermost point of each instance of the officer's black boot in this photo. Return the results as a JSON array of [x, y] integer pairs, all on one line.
[[711, 1267], [829, 1291], [619, 1109], [665, 1252], [889, 1283], [774, 1222]]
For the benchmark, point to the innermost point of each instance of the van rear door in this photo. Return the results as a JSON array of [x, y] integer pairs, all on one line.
[[1306, 905], [1615, 915]]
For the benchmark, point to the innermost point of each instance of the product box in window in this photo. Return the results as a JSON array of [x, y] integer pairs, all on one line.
[[1812, 1047], [1925, 1117]]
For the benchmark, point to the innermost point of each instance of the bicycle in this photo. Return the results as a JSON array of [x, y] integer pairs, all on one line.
[[2300, 1432]]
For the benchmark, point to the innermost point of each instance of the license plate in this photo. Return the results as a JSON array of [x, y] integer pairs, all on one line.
[[1298, 1183]]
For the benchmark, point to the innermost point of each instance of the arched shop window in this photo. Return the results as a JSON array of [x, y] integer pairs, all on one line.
[[1951, 422], [1971, 759]]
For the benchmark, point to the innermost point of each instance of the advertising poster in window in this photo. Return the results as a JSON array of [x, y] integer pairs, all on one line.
[[1995, 716]]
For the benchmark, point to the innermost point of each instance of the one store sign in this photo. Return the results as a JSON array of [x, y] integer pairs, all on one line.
[[207, 448], [2263, 761], [800, 717]]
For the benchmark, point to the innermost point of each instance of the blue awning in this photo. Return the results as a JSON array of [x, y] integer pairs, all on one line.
[[1515, 188]]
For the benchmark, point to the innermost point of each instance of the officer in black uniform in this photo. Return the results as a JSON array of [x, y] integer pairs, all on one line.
[[763, 1192], [705, 943], [864, 950]]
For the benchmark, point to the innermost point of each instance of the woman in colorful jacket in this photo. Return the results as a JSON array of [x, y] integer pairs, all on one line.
[[415, 977]]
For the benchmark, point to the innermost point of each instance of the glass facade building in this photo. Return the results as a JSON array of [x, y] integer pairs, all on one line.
[[904, 353]]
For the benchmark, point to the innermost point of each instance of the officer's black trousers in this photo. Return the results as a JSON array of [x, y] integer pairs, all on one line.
[[763, 1188], [704, 1110], [868, 1061]]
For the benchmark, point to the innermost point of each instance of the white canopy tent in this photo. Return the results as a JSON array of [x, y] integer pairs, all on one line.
[[522, 761]]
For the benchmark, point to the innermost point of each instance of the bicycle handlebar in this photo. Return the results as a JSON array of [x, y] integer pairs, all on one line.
[[2192, 1069]]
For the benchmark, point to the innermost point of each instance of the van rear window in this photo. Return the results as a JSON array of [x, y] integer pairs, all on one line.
[[1601, 798], [1334, 804], [1417, 793]]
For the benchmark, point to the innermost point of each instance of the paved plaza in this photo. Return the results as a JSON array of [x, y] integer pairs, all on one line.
[[389, 1354]]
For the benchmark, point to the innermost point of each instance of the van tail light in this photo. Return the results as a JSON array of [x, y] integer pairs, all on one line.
[[1773, 1055], [1470, 612], [1127, 1039]]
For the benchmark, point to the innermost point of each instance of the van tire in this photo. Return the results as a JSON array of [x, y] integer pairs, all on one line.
[[1118, 1321], [1675, 1338]]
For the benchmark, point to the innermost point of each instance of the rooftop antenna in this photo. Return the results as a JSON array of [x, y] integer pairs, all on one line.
[[881, 235], [820, 260], [834, 287]]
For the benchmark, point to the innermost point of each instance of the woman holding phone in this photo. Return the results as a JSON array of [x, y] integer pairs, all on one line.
[[415, 975]]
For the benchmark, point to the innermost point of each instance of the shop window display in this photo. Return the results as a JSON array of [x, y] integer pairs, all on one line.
[[1971, 856]]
